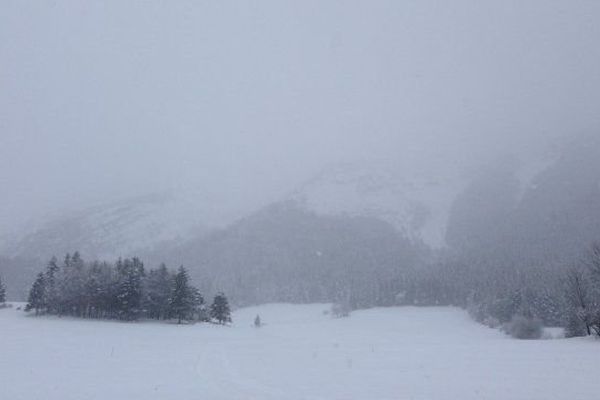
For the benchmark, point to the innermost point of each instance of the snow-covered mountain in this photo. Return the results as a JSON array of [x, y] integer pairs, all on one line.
[[130, 226], [109, 230], [416, 198], [415, 201]]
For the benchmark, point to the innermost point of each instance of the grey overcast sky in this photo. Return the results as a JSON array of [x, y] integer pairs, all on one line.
[[105, 99]]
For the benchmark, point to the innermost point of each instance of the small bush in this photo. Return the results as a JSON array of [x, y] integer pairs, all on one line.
[[340, 310], [521, 327]]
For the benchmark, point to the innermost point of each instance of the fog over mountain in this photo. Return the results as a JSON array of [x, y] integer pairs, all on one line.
[[299, 199], [102, 102], [369, 154]]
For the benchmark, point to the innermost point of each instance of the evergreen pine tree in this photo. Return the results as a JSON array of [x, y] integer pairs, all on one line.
[[105, 301], [37, 295], [183, 298], [129, 296], [51, 293], [159, 287], [78, 282], [71, 287], [94, 290], [2, 292], [219, 310]]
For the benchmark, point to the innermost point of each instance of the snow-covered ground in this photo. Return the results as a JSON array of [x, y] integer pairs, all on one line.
[[393, 353]]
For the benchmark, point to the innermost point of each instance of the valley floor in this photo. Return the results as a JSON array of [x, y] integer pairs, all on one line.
[[301, 353]]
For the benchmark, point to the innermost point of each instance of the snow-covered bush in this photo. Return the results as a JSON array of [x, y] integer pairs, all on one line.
[[340, 310], [521, 327]]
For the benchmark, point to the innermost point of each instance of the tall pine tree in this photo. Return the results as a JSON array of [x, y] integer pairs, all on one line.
[[129, 297], [2, 292], [37, 295], [159, 287], [51, 290], [183, 299]]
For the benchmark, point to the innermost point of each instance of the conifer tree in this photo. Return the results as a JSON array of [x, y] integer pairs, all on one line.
[[183, 299], [129, 297], [95, 290], [219, 310], [51, 290], [78, 282], [159, 287], [72, 285], [2, 292], [37, 295]]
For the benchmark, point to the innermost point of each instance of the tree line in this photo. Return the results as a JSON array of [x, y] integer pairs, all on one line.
[[505, 295], [123, 290]]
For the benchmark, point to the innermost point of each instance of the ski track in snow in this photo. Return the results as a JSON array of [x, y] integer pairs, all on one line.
[[300, 354]]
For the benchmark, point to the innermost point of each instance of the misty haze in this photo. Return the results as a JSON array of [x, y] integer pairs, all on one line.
[[393, 199]]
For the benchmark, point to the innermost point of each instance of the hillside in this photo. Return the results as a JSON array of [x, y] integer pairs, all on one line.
[[286, 253]]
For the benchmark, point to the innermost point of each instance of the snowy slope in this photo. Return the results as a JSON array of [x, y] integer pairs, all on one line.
[[130, 226], [415, 199], [393, 353], [110, 230]]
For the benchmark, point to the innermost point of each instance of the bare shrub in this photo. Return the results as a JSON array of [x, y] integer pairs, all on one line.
[[340, 310]]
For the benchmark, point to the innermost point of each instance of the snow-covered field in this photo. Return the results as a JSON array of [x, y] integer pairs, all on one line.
[[394, 353]]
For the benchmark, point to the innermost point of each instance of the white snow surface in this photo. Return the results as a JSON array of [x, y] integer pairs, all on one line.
[[301, 353], [130, 226], [416, 199]]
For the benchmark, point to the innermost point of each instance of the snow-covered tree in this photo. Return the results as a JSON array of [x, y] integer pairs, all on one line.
[[72, 285], [219, 310], [37, 295], [183, 298], [2, 292], [129, 295], [51, 290], [159, 288]]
